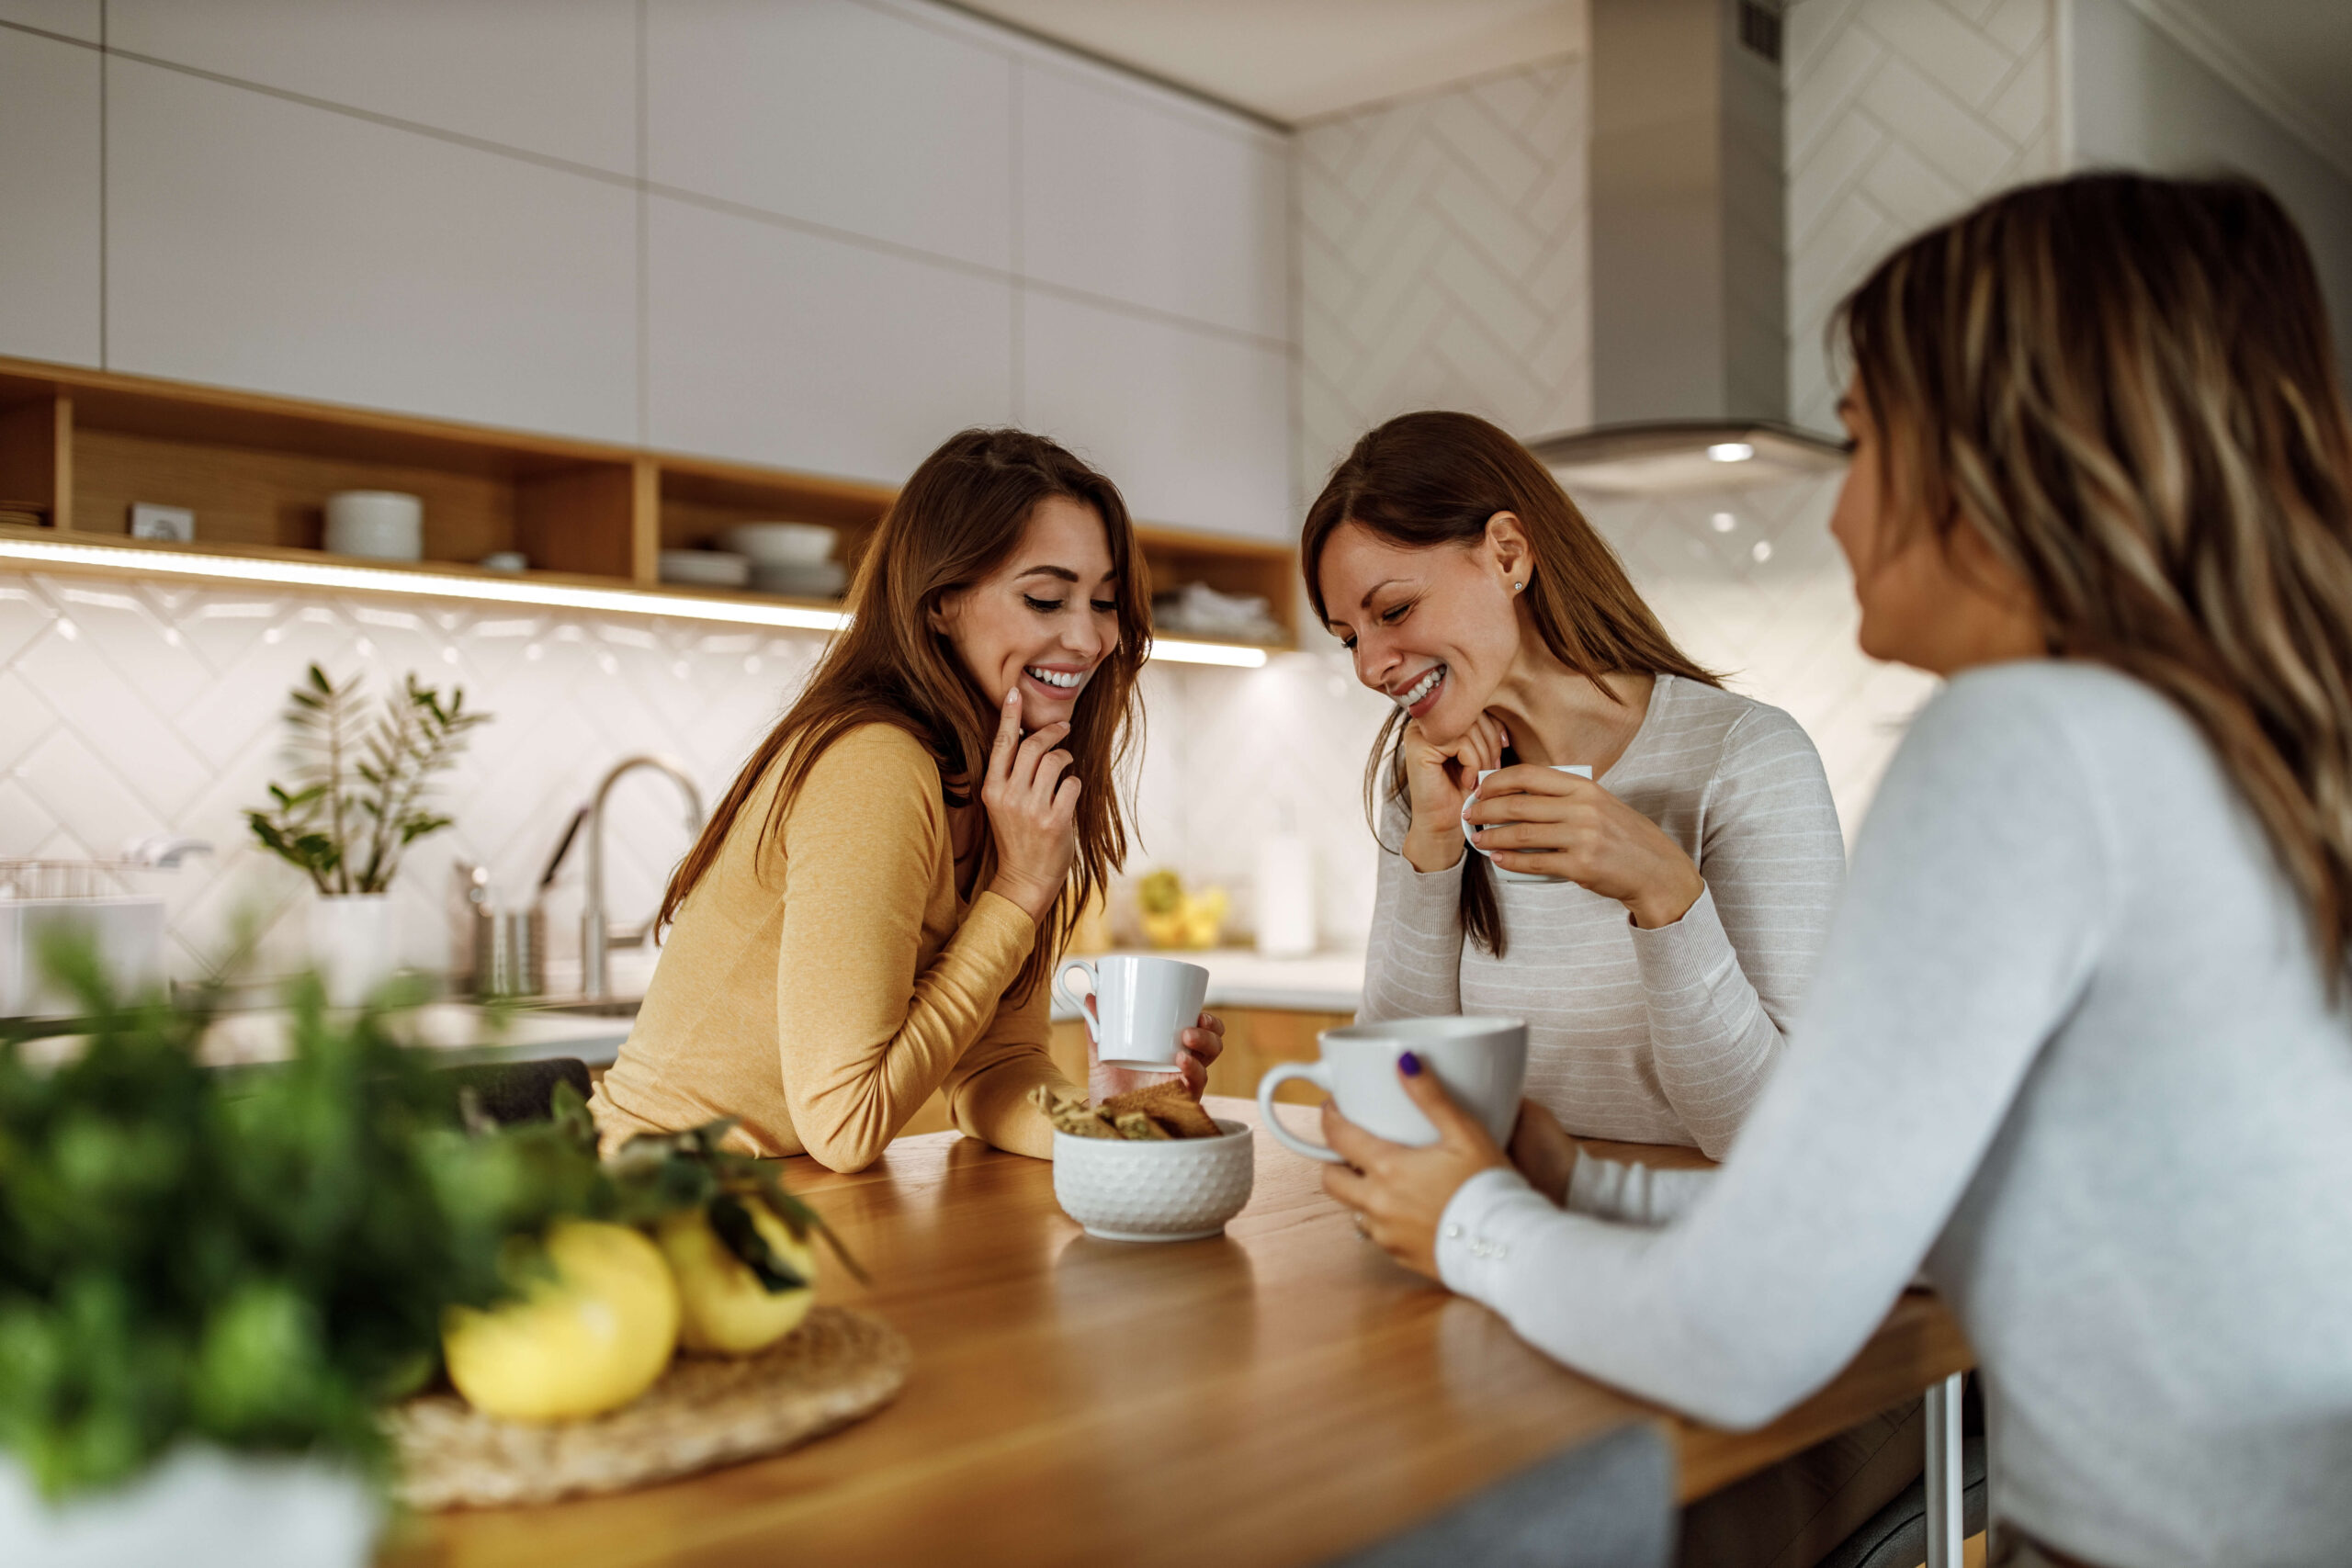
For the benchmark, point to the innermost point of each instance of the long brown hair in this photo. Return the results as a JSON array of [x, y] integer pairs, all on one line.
[[1426, 480], [2125, 386], [959, 518]]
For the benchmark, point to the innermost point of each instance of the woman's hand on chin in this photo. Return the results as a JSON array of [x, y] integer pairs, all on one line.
[[1033, 811], [1197, 1047], [1440, 778], [1399, 1193], [1556, 824]]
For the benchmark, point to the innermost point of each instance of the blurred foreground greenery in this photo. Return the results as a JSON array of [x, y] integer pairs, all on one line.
[[259, 1258]]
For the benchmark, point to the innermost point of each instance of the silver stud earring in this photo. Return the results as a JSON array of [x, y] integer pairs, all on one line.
[[1517, 586]]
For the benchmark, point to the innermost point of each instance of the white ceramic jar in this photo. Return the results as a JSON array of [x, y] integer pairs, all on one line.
[[380, 524]]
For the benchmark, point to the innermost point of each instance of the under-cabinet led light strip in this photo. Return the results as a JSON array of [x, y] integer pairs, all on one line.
[[508, 591]]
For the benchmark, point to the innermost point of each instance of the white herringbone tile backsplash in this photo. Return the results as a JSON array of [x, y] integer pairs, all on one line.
[[1443, 261], [1901, 113], [131, 708]]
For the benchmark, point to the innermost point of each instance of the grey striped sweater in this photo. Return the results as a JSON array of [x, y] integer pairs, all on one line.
[[1657, 1036]]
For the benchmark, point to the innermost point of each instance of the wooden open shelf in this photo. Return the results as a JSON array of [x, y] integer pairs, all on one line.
[[77, 448]]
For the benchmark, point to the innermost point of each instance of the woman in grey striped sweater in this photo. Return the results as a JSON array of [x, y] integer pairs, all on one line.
[[1686, 886]]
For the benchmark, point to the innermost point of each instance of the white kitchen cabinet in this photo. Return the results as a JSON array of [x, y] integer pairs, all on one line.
[[255, 242], [1153, 203], [557, 80], [1193, 425], [772, 346], [838, 114], [48, 199], [67, 18]]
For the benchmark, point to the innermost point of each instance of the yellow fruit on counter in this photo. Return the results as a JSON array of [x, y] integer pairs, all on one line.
[[725, 1306], [588, 1338]]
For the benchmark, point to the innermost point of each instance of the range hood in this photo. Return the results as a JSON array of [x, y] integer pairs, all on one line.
[[1689, 257]]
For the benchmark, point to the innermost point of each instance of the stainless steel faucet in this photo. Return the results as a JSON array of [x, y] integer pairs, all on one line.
[[595, 934]]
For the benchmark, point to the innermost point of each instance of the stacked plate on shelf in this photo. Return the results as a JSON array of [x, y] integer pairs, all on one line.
[[790, 558], [703, 568]]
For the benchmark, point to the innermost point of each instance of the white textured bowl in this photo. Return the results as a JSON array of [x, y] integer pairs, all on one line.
[[704, 568], [381, 524], [780, 544], [1181, 1189]]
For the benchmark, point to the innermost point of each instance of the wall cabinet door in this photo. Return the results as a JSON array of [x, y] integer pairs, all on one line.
[[554, 79], [1193, 425], [67, 18], [48, 199], [1153, 204], [772, 346], [838, 114], [252, 242]]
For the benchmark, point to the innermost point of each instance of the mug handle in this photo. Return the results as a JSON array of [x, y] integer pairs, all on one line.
[[1469, 829], [1315, 1072], [1078, 998]]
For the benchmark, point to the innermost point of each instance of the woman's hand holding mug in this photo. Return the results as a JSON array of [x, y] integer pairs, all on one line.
[[1399, 1193], [1033, 812], [1439, 778], [1549, 823]]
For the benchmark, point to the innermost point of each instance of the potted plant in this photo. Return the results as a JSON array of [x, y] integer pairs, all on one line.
[[358, 801], [211, 1281], [214, 1283]]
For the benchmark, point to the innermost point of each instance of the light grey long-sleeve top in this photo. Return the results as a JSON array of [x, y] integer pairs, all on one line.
[[2070, 1045], [1660, 1036]]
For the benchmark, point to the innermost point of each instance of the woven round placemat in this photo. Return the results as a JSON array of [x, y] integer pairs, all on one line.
[[839, 1365]]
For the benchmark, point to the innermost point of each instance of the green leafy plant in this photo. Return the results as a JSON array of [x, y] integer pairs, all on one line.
[[259, 1258], [358, 796], [262, 1258]]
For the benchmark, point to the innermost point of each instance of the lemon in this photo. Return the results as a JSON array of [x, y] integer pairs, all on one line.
[[725, 1307], [588, 1339]]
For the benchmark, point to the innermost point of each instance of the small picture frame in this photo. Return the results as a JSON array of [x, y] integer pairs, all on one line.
[[149, 521]]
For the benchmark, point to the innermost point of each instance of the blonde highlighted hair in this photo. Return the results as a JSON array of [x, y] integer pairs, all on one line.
[[2124, 384]]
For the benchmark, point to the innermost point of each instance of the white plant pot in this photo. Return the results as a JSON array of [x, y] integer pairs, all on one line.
[[199, 1508], [351, 944]]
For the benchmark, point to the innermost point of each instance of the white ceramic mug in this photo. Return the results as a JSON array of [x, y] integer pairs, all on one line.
[[1481, 1062], [1142, 1006], [1470, 837]]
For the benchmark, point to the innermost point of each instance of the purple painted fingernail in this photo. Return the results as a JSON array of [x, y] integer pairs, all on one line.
[[1409, 1064]]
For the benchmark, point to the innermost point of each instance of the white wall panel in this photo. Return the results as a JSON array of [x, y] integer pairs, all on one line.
[[1194, 427], [773, 345], [257, 242], [48, 199], [1123, 198], [835, 113], [69, 18], [554, 79]]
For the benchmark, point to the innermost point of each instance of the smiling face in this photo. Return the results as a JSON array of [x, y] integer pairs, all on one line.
[[1045, 620], [1434, 629]]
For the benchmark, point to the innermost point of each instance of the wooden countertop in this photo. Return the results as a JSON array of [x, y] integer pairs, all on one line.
[[1278, 1395]]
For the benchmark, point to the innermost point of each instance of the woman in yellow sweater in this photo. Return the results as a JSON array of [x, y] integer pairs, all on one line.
[[872, 911]]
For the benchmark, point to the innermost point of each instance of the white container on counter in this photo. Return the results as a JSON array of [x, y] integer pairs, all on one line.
[[1285, 897], [351, 944], [381, 524], [128, 933]]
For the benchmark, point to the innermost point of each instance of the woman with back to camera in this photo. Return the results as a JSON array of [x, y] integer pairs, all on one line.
[[871, 913], [2080, 1038], [1696, 871]]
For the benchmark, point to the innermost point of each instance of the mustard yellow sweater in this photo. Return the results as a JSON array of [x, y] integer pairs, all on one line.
[[818, 987]]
